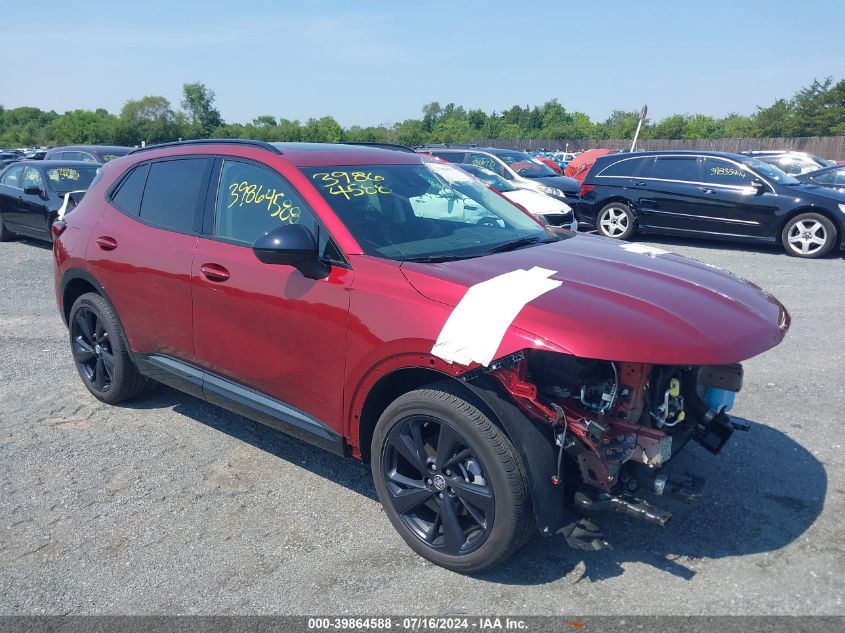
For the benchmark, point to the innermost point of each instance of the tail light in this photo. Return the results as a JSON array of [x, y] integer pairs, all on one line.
[[58, 227], [585, 189]]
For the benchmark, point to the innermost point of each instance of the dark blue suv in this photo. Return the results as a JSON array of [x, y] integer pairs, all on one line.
[[713, 195]]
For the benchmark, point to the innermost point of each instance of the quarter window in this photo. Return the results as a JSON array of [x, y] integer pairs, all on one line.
[[128, 194], [171, 196], [13, 177], [625, 168], [685, 168], [450, 157], [721, 172]]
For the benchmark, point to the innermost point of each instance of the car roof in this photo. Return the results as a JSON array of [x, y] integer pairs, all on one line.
[[671, 152], [92, 147], [62, 163], [319, 154], [466, 148]]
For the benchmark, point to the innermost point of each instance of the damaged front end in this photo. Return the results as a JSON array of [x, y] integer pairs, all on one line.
[[614, 425]]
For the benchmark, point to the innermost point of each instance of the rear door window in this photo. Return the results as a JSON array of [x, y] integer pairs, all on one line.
[[172, 194], [680, 168], [71, 155], [722, 172]]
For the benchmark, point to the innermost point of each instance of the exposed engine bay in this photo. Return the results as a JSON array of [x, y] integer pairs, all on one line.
[[620, 422]]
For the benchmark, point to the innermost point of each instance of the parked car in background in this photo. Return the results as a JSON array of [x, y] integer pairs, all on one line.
[[833, 177], [792, 163], [711, 194], [8, 157], [517, 167], [90, 153], [32, 193], [486, 373], [547, 209], [549, 163], [36, 154], [578, 167]]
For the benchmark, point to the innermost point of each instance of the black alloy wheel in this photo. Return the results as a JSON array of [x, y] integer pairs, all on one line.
[[92, 349], [437, 485], [100, 352]]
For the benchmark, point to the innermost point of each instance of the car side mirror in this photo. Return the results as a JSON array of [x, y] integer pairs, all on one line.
[[759, 186], [291, 245], [33, 190]]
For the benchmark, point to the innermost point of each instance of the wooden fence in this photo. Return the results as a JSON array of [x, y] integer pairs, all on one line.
[[832, 147]]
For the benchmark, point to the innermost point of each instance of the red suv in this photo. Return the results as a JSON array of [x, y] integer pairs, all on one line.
[[498, 376]]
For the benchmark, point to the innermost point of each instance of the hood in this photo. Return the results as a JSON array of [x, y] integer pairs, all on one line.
[[623, 302], [536, 202], [564, 183], [812, 189]]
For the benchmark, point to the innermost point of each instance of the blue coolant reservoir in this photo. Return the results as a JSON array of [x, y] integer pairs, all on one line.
[[717, 398]]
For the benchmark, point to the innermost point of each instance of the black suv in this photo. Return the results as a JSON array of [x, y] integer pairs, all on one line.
[[710, 194], [519, 168]]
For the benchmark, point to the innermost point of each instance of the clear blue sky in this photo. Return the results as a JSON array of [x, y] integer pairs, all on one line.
[[379, 62]]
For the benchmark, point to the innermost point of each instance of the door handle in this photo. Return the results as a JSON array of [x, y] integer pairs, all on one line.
[[106, 243], [214, 272], [706, 190]]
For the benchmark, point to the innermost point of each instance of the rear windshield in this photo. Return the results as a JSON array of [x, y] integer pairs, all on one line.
[[64, 179]]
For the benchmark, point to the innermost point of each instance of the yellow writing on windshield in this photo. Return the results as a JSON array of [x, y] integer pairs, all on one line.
[[351, 184], [63, 173], [246, 193]]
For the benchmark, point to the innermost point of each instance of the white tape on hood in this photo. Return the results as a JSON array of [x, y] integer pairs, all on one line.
[[477, 325], [643, 249]]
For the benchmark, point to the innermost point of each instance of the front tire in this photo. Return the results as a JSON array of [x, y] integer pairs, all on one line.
[[808, 235], [450, 481], [615, 220], [100, 352]]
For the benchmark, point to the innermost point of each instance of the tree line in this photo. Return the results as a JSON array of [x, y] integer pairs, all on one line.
[[816, 110]]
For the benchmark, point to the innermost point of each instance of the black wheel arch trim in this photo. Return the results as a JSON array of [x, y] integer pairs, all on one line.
[[73, 274], [537, 450]]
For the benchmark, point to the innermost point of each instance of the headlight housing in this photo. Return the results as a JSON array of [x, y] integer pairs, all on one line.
[[842, 208], [552, 191]]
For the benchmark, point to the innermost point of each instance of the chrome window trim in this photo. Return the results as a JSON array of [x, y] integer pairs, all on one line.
[[691, 182], [705, 217]]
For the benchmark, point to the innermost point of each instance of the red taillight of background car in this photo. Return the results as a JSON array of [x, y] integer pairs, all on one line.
[[585, 189]]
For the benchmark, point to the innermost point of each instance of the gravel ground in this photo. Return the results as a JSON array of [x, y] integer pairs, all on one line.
[[170, 505]]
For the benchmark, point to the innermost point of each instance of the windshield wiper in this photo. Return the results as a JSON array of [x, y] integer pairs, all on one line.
[[514, 244], [434, 259]]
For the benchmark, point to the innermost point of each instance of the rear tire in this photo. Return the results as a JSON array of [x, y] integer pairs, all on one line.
[[450, 481], [616, 220], [100, 352], [808, 235], [5, 234]]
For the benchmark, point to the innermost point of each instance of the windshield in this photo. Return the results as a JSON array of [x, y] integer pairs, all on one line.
[[64, 179], [770, 171], [492, 179], [824, 162], [429, 211], [525, 165]]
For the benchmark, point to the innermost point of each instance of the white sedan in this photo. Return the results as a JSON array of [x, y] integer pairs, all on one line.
[[547, 209]]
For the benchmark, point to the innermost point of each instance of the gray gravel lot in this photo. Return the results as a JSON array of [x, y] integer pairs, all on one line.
[[170, 505]]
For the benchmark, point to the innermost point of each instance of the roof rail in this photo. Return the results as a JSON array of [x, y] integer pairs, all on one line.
[[396, 146], [211, 141]]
